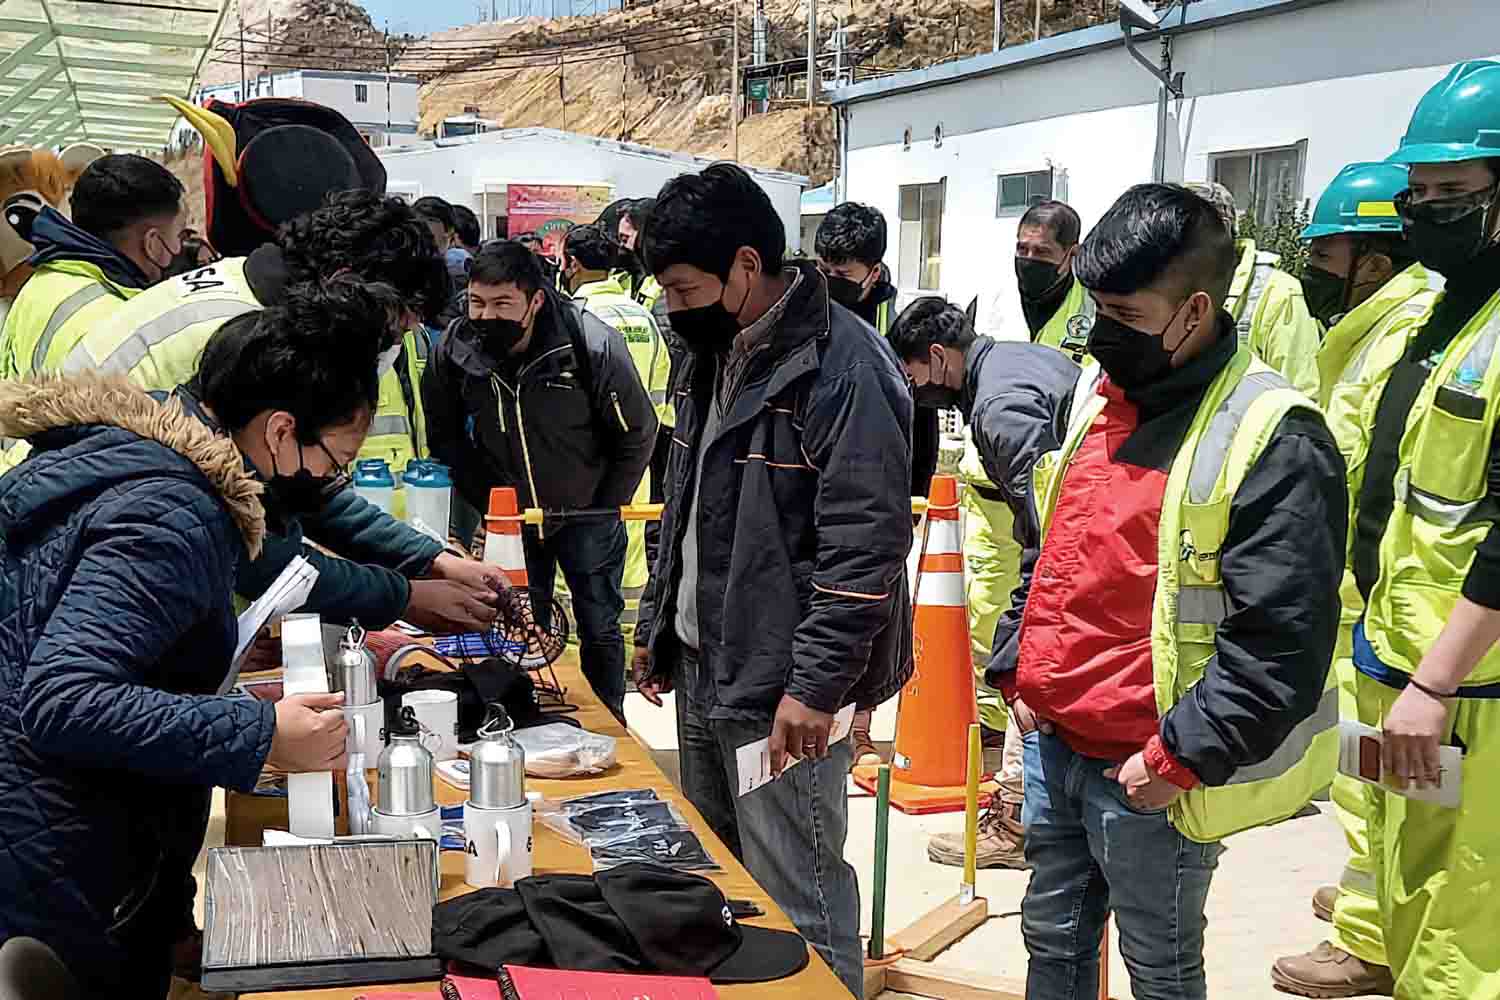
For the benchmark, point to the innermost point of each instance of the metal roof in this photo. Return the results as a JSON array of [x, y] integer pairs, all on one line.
[[1198, 15], [74, 70]]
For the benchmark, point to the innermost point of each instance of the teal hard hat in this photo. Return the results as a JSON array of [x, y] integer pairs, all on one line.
[[1361, 199], [1457, 120]]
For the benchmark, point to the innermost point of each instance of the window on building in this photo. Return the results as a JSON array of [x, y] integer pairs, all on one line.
[[921, 243], [1261, 180], [1015, 193], [361, 93]]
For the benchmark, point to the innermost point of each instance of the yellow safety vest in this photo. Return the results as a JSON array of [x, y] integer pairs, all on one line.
[[398, 432], [1068, 329], [1366, 345], [57, 306], [610, 300], [1237, 417], [1271, 317], [1440, 514], [156, 338]]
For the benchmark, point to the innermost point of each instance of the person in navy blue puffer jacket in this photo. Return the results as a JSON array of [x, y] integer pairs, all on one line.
[[119, 538]]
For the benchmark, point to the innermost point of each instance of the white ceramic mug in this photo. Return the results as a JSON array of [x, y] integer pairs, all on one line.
[[497, 845], [426, 826], [437, 712]]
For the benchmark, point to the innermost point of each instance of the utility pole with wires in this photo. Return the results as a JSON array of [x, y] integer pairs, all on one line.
[[1036, 27], [244, 80], [734, 83], [999, 39], [562, 85], [812, 53], [624, 83], [387, 81]]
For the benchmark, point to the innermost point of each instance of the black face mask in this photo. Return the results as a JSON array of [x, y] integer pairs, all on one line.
[[629, 261], [935, 395], [709, 329], [302, 492], [498, 337], [844, 291], [1446, 233], [1131, 359], [1042, 289], [1326, 294]]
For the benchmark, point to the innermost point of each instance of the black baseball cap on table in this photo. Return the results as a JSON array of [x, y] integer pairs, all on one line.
[[633, 918]]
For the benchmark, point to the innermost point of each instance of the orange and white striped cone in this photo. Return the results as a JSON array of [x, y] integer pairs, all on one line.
[[502, 536], [929, 768]]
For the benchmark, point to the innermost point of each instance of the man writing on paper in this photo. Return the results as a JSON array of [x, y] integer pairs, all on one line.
[[779, 595]]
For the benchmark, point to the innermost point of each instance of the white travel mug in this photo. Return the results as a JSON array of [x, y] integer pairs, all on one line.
[[437, 713], [497, 845]]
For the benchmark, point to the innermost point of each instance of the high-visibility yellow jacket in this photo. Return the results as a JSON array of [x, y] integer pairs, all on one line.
[[611, 301], [1271, 317], [56, 307], [158, 337], [1356, 361], [1191, 599], [1068, 329], [1442, 483]]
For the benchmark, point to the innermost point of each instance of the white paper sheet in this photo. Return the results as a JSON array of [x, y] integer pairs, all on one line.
[[1360, 758], [285, 595], [753, 760]]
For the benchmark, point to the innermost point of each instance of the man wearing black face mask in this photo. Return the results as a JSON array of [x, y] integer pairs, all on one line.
[[1013, 397], [123, 237], [779, 595], [1057, 309], [850, 246], [1426, 551], [533, 392], [1180, 620]]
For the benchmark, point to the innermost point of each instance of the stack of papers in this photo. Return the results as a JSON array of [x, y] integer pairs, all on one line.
[[286, 595]]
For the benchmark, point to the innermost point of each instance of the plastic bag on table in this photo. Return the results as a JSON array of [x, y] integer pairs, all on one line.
[[677, 849], [557, 815], [558, 750], [606, 823]]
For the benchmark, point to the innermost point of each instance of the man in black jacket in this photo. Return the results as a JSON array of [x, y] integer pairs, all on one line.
[[779, 595], [530, 391], [850, 245]]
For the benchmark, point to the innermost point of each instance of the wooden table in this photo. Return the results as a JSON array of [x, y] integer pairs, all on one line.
[[246, 816]]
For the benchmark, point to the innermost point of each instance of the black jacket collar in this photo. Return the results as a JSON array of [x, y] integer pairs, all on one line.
[[550, 334]]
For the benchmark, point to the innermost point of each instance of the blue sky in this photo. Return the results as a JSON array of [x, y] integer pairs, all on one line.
[[435, 15]]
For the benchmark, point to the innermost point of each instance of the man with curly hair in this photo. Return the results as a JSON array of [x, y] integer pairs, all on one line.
[[157, 337]]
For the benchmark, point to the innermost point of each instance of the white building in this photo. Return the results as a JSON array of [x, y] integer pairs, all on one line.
[[478, 170], [1279, 95], [385, 115]]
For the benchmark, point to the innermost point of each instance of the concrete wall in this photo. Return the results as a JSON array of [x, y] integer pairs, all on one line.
[[475, 169], [1343, 77]]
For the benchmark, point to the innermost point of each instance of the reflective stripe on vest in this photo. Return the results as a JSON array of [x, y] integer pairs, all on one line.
[[1294, 748], [1245, 321], [133, 350], [66, 310], [388, 423]]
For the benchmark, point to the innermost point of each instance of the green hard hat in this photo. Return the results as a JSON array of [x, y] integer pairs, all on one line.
[[1457, 120], [1359, 200]]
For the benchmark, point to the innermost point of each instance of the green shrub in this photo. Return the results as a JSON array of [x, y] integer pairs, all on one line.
[[1282, 235]]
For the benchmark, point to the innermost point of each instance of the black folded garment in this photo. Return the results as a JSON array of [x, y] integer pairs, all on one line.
[[634, 918], [680, 850]]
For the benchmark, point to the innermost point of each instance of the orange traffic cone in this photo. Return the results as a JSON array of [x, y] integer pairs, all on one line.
[[502, 536], [929, 769]]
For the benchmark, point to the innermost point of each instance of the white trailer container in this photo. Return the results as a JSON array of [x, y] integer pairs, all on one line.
[[477, 171]]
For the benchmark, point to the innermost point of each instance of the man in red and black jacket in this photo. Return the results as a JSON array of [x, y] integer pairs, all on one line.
[[1102, 763]]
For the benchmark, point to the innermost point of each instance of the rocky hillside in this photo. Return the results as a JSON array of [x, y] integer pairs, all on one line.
[[658, 73]]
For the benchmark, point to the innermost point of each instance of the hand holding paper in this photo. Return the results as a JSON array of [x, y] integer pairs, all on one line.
[[753, 760]]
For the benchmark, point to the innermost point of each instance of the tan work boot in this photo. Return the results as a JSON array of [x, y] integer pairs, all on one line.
[[1000, 841], [1323, 902], [865, 750], [1328, 971]]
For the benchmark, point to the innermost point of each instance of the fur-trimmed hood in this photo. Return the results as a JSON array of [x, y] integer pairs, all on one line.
[[46, 403]]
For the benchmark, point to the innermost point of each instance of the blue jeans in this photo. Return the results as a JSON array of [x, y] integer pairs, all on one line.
[[790, 833], [1091, 852], [591, 553]]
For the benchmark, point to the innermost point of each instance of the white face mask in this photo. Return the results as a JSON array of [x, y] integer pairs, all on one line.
[[388, 360]]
